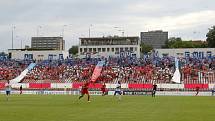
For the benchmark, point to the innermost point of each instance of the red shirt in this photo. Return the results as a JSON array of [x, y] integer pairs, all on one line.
[[85, 86], [103, 87]]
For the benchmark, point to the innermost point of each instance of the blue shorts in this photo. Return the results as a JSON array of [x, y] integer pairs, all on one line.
[[117, 92], [7, 92]]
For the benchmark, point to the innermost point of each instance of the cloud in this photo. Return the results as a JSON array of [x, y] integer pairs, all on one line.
[[143, 7], [133, 16], [185, 21]]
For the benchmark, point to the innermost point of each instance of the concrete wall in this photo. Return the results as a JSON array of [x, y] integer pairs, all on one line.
[[110, 53], [38, 55], [186, 52]]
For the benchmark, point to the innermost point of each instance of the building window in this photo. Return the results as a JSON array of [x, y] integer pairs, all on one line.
[[121, 49], [126, 49], [112, 49], [90, 49], [117, 49], [180, 54], [131, 49], [135, 49], [103, 49], [108, 49], [99, 49], [81, 50], [85, 49], [94, 49]]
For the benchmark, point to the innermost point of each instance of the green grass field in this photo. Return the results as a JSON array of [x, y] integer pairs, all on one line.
[[131, 108]]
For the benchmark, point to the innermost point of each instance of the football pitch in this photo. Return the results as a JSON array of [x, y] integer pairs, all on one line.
[[130, 108]]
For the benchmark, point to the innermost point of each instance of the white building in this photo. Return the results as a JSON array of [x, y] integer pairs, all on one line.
[[186, 52], [37, 54], [109, 47]]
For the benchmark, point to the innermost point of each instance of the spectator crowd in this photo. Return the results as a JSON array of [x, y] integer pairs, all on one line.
[[127, 70]]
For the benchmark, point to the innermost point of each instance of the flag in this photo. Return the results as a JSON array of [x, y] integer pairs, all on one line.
[[23, 74], [176, 63], [97, 70], [176, 76]]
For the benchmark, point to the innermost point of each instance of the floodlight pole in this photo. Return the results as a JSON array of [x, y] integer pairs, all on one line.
[[13, 29], [38, 27]]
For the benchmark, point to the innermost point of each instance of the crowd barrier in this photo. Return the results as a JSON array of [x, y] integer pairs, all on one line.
[[78, 85], [2, 85], [192, 86], [140, 86], [46, 92], [39, 85], [61, 85], [202, 78], [17, 85], [137, 93], [96, 86], [171, 86]]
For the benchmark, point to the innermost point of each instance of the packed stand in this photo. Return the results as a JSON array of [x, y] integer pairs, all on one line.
[[198, 70], [147, 70], [9, 69], [127, 70]]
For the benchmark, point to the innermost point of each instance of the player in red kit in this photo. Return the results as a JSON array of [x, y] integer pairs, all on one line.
[[197, 90], [103, 89], [84, 91]]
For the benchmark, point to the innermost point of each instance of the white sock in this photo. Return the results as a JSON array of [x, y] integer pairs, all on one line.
[[120, 97]]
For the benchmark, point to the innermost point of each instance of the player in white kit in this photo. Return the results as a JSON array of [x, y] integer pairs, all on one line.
[[8, 89], [118, 90]]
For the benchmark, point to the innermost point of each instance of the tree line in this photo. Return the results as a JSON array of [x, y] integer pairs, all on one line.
[[177, 42]]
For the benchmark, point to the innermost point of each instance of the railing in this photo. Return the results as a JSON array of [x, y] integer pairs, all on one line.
[[201, 78]]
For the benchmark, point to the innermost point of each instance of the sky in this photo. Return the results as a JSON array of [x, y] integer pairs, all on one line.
[[189, 19]]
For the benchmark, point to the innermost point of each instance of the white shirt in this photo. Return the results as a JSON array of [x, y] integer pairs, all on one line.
[[8, 87], [118, 87]]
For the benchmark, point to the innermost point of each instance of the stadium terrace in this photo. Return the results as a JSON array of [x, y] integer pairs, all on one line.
[[134, 74]]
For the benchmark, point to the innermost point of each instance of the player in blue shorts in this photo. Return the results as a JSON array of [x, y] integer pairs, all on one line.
[[118, 90], [213, 90], [8, 89]]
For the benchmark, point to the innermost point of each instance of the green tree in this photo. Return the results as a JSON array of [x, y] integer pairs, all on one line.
[[178, 43], [211, 37], [172, 42], [145, 48], [73, 50]]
